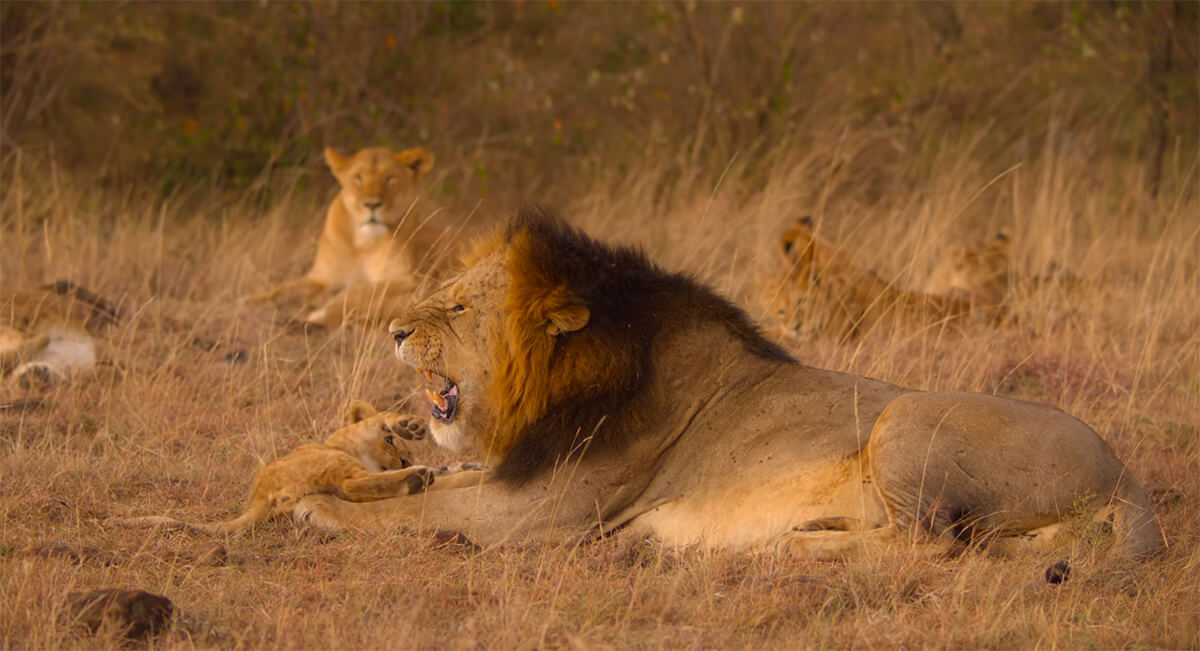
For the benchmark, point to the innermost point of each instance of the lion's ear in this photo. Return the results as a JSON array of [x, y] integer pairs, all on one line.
[[417, 159], [359, 410], [335, 161], [568, 318]]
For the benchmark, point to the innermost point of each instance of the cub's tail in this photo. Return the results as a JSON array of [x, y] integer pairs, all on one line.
[[254, 515]]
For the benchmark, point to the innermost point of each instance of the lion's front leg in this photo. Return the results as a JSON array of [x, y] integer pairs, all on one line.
[[487, 511], [383, 485]]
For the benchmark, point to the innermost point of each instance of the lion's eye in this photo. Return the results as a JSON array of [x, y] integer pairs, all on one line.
[[458, 308], [390, 440], [358, 179]]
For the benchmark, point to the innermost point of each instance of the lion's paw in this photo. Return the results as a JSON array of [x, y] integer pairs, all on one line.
[[317, 511], [460, 467], [420, 480]]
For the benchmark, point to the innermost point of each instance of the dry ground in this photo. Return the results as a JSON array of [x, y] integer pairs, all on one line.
[[182, 425]]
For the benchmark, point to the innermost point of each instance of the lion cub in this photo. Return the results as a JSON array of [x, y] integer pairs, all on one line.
[[52, 333], [825, 292], [372, 247], [368, 459]]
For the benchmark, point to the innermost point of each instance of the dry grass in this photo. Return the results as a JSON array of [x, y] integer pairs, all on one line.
[[180, 430]]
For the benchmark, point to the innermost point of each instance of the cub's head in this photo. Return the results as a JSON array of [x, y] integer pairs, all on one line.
[[375, 183], [382, 440], [980, 271], [802, 251]]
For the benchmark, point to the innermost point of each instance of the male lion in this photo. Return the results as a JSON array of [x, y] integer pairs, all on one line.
[[609, 394], [372, 249], [371, 458], [824, 292]]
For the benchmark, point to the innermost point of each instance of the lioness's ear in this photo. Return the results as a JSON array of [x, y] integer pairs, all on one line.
[[335, 161], [359, 410], [418, 159], [568, 318]]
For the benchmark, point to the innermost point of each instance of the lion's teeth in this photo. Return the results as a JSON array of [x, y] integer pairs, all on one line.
[[436, 399]]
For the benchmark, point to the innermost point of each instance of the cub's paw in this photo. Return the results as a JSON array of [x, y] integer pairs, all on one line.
[[317, 512], [420, 480], [407, 426], [35, 375]]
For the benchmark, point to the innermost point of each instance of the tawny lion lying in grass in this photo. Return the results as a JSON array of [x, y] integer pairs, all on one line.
[[368, 459], [372, 251]]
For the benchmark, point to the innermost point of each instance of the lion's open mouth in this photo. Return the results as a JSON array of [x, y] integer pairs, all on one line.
[[445, 402]]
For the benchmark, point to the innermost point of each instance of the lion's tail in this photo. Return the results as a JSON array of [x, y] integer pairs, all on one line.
[[1137, 534], [253, 515]]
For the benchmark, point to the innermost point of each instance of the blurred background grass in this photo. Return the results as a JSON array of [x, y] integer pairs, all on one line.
[[537, 100]]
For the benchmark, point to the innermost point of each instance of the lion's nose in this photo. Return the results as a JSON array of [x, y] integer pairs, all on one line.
[[373, 204]]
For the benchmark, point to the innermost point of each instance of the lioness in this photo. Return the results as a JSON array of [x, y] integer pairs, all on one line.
[[610, 394], [368, 459], [823, 292], [372, 248]]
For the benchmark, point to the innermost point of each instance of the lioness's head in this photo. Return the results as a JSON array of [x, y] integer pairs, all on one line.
[[382, 440], [374, 184], [545, 344]]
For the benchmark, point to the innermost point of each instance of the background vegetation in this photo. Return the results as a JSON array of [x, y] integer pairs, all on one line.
[[539, 96], [167, 157]]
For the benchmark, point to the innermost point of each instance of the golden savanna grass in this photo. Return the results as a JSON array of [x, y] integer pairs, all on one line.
[[181, 427], [699, 133]]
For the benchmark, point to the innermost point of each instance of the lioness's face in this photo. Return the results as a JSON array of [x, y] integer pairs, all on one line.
[[375, 183], [448, 336]]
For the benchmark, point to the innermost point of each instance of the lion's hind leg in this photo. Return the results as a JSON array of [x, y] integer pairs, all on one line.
[[368, 304], [979, 469], [810, 541]]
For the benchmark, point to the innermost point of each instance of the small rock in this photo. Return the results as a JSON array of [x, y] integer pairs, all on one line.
[[237, 357], [133, 614], [448, 539], [1058, 573]]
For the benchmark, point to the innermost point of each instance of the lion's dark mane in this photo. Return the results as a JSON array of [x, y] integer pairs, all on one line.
[[634, 305]]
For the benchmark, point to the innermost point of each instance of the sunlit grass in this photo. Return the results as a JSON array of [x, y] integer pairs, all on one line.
[[179, 430]]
